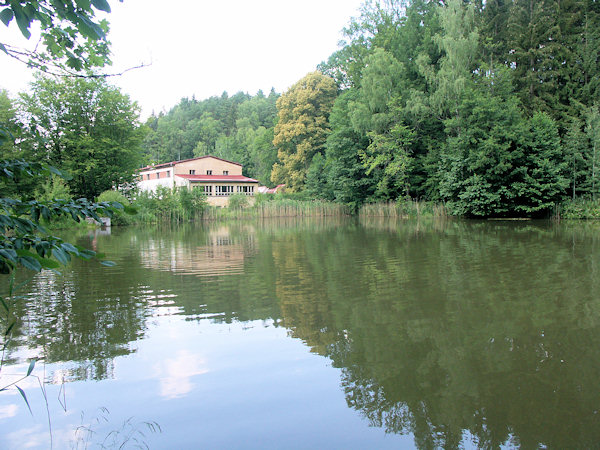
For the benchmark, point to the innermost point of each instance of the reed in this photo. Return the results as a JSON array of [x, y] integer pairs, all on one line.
[[578, 209], [403, 209], [278, 208]]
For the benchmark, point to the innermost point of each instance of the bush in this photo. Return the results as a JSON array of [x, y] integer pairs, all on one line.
[[170, 205], [53, 188], [238, 201], [120, 216], [579, 209]]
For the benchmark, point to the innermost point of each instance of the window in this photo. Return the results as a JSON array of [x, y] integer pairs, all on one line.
[[147, 176], [168, 173], [226, 172], [246, 190], [206, 189], [192, 172], [209, 172], [223, 190]]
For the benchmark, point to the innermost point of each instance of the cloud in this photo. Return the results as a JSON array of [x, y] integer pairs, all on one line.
[[175, 374]]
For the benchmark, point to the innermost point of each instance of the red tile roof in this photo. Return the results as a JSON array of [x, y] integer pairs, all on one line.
[[230, 178], [172, 163]]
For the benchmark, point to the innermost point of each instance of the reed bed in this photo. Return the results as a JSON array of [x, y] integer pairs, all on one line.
[[279, 208], [578, 209], [403, 209]]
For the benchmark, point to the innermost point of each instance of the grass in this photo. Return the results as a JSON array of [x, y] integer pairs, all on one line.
[[278, 208], [578, 209], [403, 209]]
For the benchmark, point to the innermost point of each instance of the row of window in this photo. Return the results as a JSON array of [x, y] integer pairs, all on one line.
[[156, 176], [208, 172], [167, 174], [221, 191]]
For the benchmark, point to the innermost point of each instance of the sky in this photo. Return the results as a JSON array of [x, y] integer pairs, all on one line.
[[202, 48]]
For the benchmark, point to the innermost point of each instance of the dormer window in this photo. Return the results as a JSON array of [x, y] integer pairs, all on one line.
[[209, 172], [226, 172], [192, 172]]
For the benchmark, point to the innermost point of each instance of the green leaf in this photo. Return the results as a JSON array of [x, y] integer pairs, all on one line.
[[60, 255], [70, 248], [9, 254], [9, 329], [31, 366], [25, 398], [102, 5], [30, 263], [6, 15], [89, 28], [22, 20], [108, 263]]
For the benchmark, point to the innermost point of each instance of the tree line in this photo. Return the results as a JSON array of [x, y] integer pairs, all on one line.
[[488, 107]]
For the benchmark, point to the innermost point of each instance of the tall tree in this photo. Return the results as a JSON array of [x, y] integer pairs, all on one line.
[[532, 32], [477, 165], [347, 178], [87, 128], [543, 168], [302, 127]]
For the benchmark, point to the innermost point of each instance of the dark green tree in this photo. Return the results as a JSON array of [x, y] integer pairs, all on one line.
[[346, 176], [542, 168], [87, 128]]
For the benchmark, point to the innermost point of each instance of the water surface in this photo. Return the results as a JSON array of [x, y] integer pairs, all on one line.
[[315, 334]]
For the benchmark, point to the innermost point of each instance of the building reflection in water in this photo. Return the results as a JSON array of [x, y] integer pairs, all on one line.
[[219, 253]]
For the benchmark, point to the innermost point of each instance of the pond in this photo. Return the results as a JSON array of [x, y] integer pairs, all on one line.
[[320, 333]]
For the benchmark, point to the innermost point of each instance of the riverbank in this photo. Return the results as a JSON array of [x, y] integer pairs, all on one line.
[[579, 209], [184, 206]]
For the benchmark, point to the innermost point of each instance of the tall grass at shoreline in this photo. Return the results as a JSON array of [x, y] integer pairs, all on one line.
[[403, 209], [181, 205], [278, 208], [579, 209]]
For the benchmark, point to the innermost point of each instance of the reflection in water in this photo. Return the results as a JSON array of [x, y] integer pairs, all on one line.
[[175, 373], [449, 331], [217, 254]]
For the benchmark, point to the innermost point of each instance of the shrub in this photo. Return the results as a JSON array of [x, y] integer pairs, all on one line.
[[120, 216], [53, 188], [238, 201]]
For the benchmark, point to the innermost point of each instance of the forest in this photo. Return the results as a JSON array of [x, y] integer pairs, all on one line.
[[488, 107]]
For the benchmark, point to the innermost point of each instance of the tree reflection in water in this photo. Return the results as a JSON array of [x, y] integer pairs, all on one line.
[[446, 330]]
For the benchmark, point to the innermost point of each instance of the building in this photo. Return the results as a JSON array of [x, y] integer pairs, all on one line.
[[217, 178], [267, 190]]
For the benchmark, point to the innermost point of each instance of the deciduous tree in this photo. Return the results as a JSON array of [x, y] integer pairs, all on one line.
[[87, 128], [302, 128]]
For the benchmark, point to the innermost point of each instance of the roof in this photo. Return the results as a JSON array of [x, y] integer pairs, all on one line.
[[266, 190], [230, 178], [172, 163]]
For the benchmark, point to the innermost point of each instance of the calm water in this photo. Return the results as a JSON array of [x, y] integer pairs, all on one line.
[[315, 334]]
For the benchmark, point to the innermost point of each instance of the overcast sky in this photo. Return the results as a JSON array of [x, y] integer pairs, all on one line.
[[203, 48]]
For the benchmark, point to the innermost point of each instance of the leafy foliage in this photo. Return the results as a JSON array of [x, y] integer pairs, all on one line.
[[73, 39], [302, 128], [484, 105], [85, 127], [23, 240]]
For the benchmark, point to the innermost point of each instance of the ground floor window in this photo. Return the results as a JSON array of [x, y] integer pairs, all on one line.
[[206, 189], [223, 190], [246, 190]]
